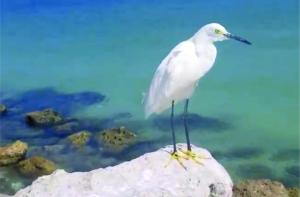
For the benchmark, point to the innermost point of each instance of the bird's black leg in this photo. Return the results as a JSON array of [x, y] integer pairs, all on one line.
[[174, 155], [172, 127], [189, 154], [185, 125]]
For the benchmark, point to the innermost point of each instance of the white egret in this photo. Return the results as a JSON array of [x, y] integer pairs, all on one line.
[[178, 74]]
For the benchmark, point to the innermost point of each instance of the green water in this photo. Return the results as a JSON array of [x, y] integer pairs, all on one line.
[[113, 48]]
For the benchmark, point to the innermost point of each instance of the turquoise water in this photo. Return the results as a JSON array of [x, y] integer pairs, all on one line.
[[245, 109]]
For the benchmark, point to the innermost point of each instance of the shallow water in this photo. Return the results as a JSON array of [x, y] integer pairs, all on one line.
[[93, 61]]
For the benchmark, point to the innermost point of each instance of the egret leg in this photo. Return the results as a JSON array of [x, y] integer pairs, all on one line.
[[175, 154], [189, 153], [172, 128], [186, 126]]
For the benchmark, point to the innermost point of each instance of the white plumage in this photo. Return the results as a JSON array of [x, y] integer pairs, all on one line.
[[179, 72]]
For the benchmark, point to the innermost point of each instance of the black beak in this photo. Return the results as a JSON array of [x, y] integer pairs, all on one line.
[[237, 38]]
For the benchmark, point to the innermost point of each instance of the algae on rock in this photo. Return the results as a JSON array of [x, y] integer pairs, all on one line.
[[80, 138], [293, 192], [259, 188], [36, 166], [46, 117], [13, 153], [116, 139]]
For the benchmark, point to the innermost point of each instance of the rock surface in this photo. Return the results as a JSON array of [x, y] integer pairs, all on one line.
[[12, 153], [260, 188], [147, 175], [36, 166], [47, 117]]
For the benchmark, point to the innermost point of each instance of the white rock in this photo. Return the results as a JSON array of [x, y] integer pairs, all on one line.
[[145, 176]]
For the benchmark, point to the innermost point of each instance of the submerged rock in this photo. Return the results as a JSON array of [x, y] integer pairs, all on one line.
[[13, 153], [36, 166], [64, 103], [255, 171], [286, 155], [116, 139], [3, 109], [5, 186], [49, 150], [147, 175], [238, 153], [79, 139], [195, 121], [259, 188], [67, 127], [293, 170], [46, 117]]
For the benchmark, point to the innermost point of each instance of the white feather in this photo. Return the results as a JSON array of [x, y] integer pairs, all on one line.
[[177, 75]]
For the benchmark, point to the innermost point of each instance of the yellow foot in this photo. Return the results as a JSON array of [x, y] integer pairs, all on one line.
[[176, 156], [198, 158]]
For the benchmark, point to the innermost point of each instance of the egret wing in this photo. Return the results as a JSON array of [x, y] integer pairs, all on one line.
[[166, 76]]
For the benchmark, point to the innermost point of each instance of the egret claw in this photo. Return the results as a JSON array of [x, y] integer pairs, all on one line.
[[195, 157], [175, 156]]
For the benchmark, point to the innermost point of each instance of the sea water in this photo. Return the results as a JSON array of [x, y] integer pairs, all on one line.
[[245, 110]]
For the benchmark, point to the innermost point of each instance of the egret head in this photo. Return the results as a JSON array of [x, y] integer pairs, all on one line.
[[216, 32]]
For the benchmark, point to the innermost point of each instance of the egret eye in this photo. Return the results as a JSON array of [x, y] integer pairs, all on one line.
[[217, 31]]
